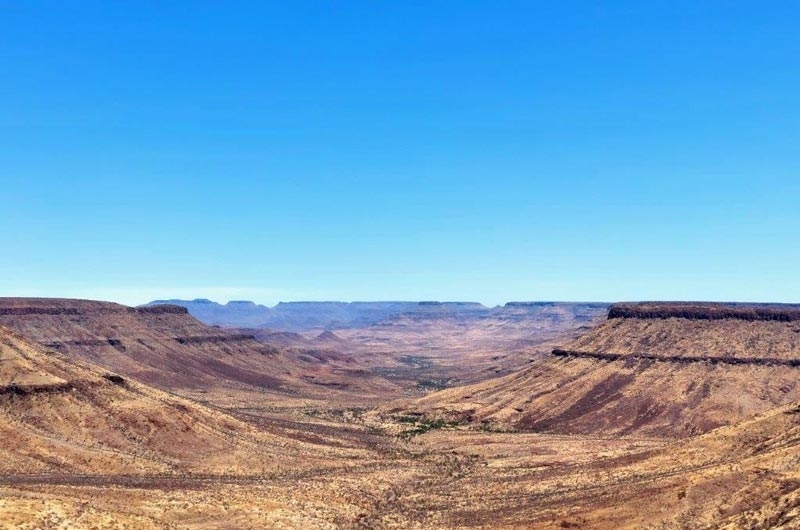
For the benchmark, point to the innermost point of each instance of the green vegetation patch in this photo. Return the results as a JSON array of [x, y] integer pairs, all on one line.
[[421, 425]]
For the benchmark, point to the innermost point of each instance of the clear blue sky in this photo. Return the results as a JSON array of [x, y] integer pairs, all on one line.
[[368, 150]]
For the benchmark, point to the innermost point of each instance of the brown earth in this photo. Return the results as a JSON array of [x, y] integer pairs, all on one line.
[[652, 376], [165, 347], [62, 415], [658, 437]]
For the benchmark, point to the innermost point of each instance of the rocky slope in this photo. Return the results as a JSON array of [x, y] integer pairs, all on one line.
[[166, 347], [651, 372], [58, 415]]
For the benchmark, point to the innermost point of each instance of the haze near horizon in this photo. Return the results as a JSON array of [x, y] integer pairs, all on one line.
[[366, 151]]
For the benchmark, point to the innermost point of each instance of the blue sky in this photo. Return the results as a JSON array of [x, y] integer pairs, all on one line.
[[365, 150]]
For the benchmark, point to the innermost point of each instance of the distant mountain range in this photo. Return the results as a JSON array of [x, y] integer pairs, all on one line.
[[300, 316]]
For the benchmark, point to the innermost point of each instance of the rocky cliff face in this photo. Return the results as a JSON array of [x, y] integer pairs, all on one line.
[[706, 311], [66, 306], [723, 331]]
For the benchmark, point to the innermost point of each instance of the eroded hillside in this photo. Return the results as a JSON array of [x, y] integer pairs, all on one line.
[[166, 347], [61, 415], [654, 374]]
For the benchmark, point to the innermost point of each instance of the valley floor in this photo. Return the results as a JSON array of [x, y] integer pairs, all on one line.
[[447, 478], [442, 479]]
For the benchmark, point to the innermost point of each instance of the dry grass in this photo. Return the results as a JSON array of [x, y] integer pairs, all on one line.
[[628, 443]]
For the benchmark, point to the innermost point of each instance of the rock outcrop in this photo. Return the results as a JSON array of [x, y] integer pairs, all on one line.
[[706, 311]]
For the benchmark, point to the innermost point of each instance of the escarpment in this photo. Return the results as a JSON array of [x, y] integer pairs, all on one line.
[[66, 306], [163, 345], [706, 311], [733, 333], [217, 339], [672, 369], [605, 356]]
